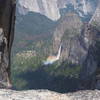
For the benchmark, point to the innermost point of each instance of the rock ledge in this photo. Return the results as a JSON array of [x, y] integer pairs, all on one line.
[[48, 95]]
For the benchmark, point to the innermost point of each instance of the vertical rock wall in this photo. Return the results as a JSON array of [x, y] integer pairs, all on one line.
[[7, 12]]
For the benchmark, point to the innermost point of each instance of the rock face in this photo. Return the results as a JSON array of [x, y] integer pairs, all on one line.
[[31, 95], [66, 34], [72, 33], [48, 8], [85, 95], [48, 95], [7, 8], [95, 20], [51, 8]]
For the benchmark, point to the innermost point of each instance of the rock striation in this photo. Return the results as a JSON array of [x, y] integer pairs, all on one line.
[[7, 19]]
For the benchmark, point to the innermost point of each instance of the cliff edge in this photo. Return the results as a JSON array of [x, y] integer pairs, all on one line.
[[48, 95]]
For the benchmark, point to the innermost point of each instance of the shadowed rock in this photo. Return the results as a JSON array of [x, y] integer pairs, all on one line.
[[7, 13]]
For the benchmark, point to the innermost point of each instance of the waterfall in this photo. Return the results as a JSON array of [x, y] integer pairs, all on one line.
[[59, 52], [84, 7]]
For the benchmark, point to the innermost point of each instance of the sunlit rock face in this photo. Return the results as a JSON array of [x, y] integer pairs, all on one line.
[[86, 7], [52, 8], [95, 20], [48, 8]]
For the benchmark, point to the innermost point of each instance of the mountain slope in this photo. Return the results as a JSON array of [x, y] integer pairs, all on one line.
[[33, 27]]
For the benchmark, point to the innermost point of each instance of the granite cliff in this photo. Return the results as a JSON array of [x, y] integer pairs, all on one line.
[[80, 42], [7, 20], [53, 8]]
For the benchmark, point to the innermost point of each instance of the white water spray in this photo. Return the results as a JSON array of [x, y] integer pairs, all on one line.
[[85, 7], [52, 59]]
